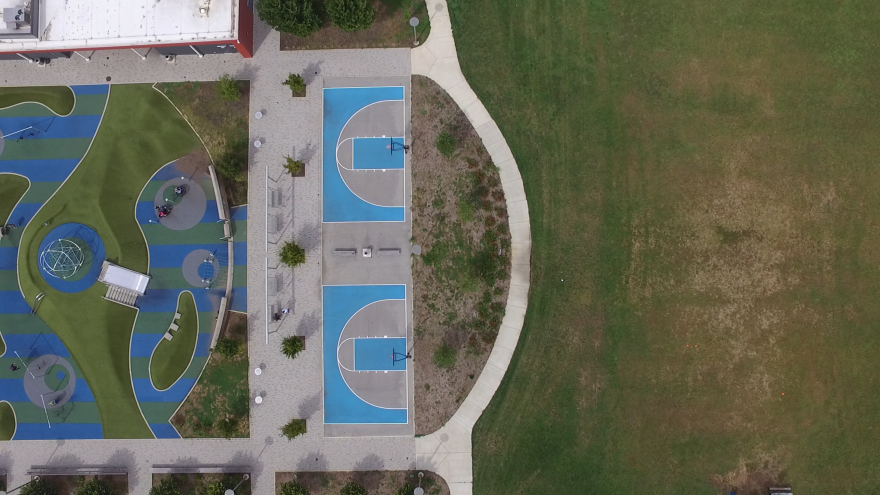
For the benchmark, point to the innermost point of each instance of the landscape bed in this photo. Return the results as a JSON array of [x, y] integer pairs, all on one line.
[[376, 482]]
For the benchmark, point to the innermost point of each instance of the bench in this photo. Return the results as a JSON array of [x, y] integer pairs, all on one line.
[[275, 197], [389, 252], [274, 283], [345, 252], [274, 224]]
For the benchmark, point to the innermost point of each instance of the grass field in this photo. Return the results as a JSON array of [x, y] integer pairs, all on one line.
[[705, 203], [59, 99], [140, 132], [172, 357], [7, 421], [12, 188]]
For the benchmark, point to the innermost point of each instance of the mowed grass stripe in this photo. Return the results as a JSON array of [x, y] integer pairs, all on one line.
[[202, 233], [90, 104], [140, 367], [45, 149], [158, 412], [8, 281], [39, 192], [82, 412]]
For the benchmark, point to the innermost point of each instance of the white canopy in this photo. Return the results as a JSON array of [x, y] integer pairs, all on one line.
[[123, 277]]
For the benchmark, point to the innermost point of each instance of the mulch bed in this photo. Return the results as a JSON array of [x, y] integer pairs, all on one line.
[[391, 29], [67, 484], [376, 482], [197, 483], [460, 220]]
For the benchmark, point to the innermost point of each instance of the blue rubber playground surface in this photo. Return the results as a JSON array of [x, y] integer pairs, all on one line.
[[380, 354], [340, 203], [94, 255], [377, 153], [341, 404], [45, 148]]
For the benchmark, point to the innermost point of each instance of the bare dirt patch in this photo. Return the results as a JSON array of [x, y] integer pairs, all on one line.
[[391, 29], [460, 282], [218, 405], [376, 482]]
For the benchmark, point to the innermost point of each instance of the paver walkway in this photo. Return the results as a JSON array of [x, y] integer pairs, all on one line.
[[447, 451]]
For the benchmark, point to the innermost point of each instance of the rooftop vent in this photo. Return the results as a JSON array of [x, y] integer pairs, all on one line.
[[17, 17]]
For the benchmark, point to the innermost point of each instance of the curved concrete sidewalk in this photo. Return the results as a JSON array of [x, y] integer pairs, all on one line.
[[447, 451]]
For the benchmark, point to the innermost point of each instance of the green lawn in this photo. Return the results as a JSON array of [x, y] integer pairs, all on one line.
[[705, 202], [172, 357], [7, 421], [140, 133], [59, 99], [12, 188]]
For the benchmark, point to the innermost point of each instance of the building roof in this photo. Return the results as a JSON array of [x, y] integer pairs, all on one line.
[[58, 25]]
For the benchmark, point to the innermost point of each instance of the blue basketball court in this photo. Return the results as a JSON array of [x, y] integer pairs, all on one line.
[[378, 153], [365, 349]]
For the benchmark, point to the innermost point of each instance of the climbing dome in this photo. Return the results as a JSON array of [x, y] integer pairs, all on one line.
[[62, 258]]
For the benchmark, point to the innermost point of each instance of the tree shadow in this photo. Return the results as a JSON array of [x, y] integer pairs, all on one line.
[[125, 458], [313, 461], [309, 324], [309, 236], [310, 406]]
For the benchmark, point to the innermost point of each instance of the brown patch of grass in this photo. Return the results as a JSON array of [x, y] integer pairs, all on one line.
[[377, 482], [391, 29], [459, 215]]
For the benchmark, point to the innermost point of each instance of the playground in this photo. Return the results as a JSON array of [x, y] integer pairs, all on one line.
[[111, 181]]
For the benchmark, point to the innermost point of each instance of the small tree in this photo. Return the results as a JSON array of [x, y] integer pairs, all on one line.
[[294, 488], [353, 488], [293, 167], [217, 488], [297, 17], [351, 15], [228, 347], [292, 255], [227, 427], [227, 88], [168, 486], [294, 428], [296, 83], [291, 346], [38, 487], [93, 487]]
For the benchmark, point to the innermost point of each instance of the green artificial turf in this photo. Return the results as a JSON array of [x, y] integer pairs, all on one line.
[[172, 357], [704, 197], [140, 132], [7, 421], [12, 188], [59, 99]]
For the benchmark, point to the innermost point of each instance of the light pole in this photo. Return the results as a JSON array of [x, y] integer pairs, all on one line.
[[36, 478], [414, 21], [244, 478]]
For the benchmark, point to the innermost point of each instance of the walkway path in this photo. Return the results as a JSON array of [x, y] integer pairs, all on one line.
[[448, 450]]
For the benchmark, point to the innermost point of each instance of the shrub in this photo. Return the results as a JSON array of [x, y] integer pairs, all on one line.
[[353, 488], [228, 347], [297, 17], [406, 489], [293, 488], [93, 487], [446, 144], [292, 166], [229, 166], [227, 427], [294, 428], [217, 488], [351, 15], [292, 255], [296, 83], [444, 356], [291, 346], [227, 88], [38, 487], [168, 486]]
